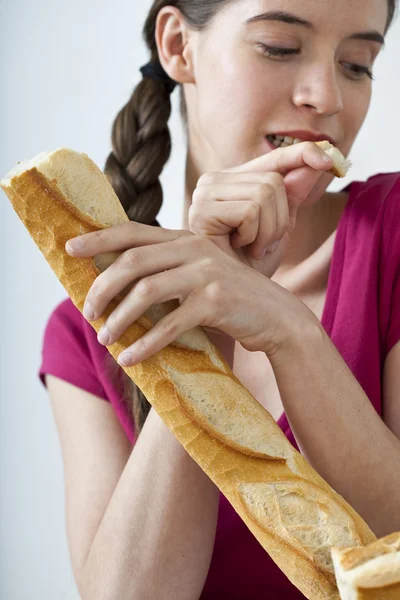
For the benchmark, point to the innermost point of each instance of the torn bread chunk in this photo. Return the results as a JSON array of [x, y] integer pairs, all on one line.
[[341, 165], [371, 571]]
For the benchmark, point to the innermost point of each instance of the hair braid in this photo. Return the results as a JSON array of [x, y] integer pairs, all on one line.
[[141, 144]]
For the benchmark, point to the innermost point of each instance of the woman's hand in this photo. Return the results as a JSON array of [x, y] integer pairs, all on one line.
[[248, 210], [214, 289]]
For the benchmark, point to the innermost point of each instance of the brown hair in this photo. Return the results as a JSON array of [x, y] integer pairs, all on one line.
[[141, 146]]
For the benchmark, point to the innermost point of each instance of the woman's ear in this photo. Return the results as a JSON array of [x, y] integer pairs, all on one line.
[[173, 39]]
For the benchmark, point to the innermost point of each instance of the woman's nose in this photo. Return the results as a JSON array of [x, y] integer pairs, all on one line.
[[318, 88]]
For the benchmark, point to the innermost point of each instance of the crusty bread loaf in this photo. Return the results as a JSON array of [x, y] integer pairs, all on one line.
[[294, 514], [369, 572]]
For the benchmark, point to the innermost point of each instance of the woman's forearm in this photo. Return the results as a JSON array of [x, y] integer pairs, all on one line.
[[337, 428], [157, 535]]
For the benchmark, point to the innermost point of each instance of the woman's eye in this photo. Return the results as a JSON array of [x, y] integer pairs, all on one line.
[[360, 70], [273, 52]]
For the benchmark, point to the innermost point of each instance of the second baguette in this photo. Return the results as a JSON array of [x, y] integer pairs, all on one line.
[[369, 572]]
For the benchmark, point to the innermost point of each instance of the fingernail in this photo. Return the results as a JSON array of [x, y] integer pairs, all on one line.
[[269, 250], [272, 248], [125, 359], [88, 311], [326, 158], [104, 336], [75, 244]]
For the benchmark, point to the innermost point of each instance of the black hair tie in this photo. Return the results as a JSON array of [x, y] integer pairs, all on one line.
[[155, 71]]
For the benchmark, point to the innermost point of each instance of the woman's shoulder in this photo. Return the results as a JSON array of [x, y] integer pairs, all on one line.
[[372, 225], [67, 322], [70, 350], [378, 187], [66, 312], [374, 201]]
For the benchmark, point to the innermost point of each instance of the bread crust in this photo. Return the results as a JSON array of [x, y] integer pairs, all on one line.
[[341, 165], [369, 572]]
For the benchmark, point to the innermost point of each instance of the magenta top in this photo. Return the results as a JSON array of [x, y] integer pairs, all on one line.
[[362, 318]]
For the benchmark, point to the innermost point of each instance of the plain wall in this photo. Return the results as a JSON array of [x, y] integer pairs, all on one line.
[[66, 70]]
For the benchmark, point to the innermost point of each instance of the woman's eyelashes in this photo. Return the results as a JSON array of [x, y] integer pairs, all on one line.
[[276, 52], [359, 69]]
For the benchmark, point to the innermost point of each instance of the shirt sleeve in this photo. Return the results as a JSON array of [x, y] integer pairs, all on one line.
[[393, 335], [391, 235], [65, 351]]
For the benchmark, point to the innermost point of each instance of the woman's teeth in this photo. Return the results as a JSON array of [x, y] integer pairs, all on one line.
[[279, 141]]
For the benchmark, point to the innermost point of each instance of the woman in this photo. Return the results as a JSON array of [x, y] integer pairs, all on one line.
[[295, 285]]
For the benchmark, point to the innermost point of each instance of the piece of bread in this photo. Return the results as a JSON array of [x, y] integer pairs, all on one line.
[[369, 572], [294, 514], [341, 164]]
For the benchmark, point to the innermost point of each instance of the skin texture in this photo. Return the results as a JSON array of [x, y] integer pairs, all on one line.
[[235, 96]]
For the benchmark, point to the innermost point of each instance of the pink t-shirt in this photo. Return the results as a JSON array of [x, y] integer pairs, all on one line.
[[362, 318]]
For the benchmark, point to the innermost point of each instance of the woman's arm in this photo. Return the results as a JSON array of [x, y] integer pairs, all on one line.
[[157, 535], [141, 523], [337, 428]]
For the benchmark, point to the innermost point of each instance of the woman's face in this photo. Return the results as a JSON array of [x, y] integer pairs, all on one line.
[[241, 94]]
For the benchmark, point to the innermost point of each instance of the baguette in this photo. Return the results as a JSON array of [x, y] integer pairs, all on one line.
[[369, 572], [291, 510]]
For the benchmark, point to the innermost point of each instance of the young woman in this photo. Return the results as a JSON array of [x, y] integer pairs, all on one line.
[[298, 287]]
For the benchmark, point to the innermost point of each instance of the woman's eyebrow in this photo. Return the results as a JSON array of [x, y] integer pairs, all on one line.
[[285, 17]]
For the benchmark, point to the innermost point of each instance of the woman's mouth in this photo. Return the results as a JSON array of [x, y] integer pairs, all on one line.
[[279, 141]]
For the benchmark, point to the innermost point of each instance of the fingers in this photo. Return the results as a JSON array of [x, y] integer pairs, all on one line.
[[155, 289], [274, 186], [220, 218], [165, 332], [120, 238], [220, 177], [270, 231], [131, 266], [283, 160], [157, 275], [300, 165], [258, 212]]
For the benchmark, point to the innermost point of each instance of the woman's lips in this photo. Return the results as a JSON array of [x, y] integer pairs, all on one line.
[[269, 144]]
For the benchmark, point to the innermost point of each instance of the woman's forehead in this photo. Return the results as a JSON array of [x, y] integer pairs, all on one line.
[[312, 15]]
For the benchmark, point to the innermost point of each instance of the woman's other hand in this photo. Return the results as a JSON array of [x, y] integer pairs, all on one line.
[[214, 290], [249, 211]]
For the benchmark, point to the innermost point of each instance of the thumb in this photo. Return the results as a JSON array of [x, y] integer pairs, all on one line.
[[223, 241], [299, 184]]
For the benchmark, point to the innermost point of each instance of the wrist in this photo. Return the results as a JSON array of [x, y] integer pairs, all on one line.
[[296, 337]]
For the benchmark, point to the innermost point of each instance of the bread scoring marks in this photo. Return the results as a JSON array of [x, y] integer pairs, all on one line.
[[301, 514], [227, 411], [195, 339]]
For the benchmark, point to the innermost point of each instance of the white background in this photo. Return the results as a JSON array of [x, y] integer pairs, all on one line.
[[66, 70]]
